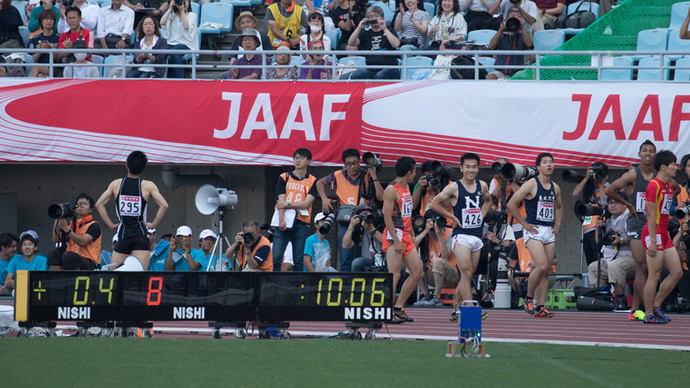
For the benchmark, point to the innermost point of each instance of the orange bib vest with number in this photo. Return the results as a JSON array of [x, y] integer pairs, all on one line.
[[296, 191]]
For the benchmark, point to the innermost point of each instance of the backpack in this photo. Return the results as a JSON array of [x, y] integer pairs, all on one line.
[[463, 73], [577, 19]]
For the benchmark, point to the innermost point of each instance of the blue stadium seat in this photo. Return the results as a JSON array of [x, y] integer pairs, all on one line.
[[675, 43], [616, 73], [357, 60], [651, 40], [548, 40], [416, 61], [220, 13], [430, 8], [682, 70], [678, 13], [97, 60], [487, 61], [334, 36], [654, 73], [24, 32], [106, 4], [196, 8], [21, 6], [239, 3], [481, 36], [95, 2]]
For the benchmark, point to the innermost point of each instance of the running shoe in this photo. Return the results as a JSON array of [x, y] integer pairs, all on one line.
[[542, 312], [432, 302], [422, 301], [401, 317], [661, 315], [529, 306], [636, 315], [653, 319]]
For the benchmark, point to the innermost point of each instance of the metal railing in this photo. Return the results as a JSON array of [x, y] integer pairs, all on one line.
[[195, 66]]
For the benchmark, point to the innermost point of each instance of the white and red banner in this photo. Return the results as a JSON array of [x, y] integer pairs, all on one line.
[[214, 122]]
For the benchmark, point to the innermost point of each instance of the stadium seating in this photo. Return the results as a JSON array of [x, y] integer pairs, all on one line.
[[616, 73], [654, 72], [238, 3], [651, 40], [196, 8], [675, 43], [388, 9], [97, 60], [219, 13], [21, 6], [583, 6], [416, 61], [487, 61], [430, 8], [678, 13], [334, 36], [95, 2], [481, 36], [548, 40], [24, 31], [681, 74], [106, 4], [296, 60]]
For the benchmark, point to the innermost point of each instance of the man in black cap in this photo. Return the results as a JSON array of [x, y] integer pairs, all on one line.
[[365, 229]]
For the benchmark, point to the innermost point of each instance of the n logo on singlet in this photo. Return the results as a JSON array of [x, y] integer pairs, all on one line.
[[469, 203]]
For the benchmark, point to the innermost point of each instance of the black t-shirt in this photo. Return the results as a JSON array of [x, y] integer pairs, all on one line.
[[53, 39], [341, 14], [369, 40], [94, 231]]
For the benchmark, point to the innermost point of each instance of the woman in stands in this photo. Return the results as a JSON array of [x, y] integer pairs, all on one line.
[[284, 73], [35, 26], [448, 27], [47, 39], [316, 60], [411, 25], [315, 31], [149, 35], [180, 31], [10, 20]]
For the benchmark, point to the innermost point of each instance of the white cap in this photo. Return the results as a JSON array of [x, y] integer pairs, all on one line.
[[207, 233], [34, 2], [184, 230], [31, 233], [319, 217]]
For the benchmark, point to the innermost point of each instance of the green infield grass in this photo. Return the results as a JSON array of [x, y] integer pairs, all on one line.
[[159, 362]]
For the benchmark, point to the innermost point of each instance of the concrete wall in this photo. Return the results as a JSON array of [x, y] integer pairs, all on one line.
[[38, 186]]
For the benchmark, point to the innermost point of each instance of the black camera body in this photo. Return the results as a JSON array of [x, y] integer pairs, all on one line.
[[67, 3], [248, 238], [513, 25], [609, 237], [61, 210], [328, 222], [371, 22], [412, 41], [432, 180], [179, 2], [496, 217]]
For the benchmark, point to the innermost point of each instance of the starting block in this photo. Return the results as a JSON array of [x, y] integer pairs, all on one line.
[[561, 299]]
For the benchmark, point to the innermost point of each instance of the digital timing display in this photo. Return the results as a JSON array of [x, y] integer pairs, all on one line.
[[217, 296]]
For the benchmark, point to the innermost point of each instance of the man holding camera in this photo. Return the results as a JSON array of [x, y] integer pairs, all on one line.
[[351, 185], [512, 35], [526, 8], [79, 239], [363, 229], [544, 209], [253, 249], [617, 263], [471, 202]]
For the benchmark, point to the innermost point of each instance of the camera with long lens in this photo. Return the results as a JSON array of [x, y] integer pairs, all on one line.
[[375, 218], [496, 217], [269, 233], [673, 227], [442, 170], [609, 237], [513, 25], [516, 171], [572, 176], [248, 238], [682, 211], [418, 223], [61, 210], [601, 170], [371, 160], [585, 210], [496, 167], [328, 222], [432, 180]]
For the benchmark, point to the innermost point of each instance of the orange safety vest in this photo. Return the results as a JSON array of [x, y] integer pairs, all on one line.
[[435, 248], [346, 191], [91, 251], [524, 257], [296, 191], [267, 266]]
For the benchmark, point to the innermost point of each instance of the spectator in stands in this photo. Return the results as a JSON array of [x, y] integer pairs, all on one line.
[[81, 68], [249, 64], [47, 39], [366, 231], [180, 31], [684, 30], [181, 255], [141, 8], [448, 27], [8, 248], [324, 72], [246, 20], [322, 7], [88, 14], [35, 26], [10, 20], [279, 72], [159, 254], [285, 20], [29, 259], [527, 9], [76, 32], [547, 14], [352, 185], [477, 14], [346, 15], [514, 38], [317, 250], [376, 38], [78, 240], [149, 35], [617, 264], [115, 26], [591, 191], [314, 32], [411, 24], [253, 249]]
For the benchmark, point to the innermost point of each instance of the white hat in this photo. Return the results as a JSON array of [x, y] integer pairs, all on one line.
[[207, 233], [184, 230], [31, 233], [319, 217], [34, 2]]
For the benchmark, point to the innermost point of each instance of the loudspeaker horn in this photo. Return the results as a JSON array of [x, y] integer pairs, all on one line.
[[209, 198]]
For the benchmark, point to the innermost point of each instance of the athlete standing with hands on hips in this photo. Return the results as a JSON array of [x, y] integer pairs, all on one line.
[[661, 252], [398, 243], [131, 195], [544, 209]]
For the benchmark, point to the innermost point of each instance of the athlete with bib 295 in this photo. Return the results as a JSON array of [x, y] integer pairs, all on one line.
[[544, 209], [471, 201], [661, 252], [131, 195], [398, 243]]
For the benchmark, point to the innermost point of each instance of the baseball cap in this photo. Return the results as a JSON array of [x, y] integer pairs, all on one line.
[[319, 217], [361, 208], [207, 233], [31, 233], [184, 230]]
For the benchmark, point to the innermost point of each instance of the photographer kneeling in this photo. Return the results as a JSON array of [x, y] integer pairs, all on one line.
[[617, 263], [365, 229], [79, 240], [253, 249]]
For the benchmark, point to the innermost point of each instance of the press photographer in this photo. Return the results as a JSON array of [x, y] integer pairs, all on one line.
[[590, 189], [253, 249], [365, 232], [77, 235]]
